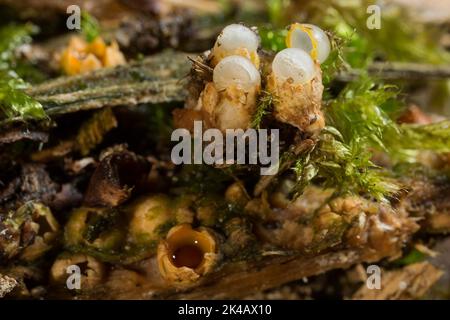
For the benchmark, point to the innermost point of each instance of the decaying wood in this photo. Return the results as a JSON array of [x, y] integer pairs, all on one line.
[[276, 272], [274, 268], [410, 282], [157, 79], [240, 279], [378, 239]]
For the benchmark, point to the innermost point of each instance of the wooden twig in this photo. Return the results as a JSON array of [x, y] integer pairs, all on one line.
[[400, 70]]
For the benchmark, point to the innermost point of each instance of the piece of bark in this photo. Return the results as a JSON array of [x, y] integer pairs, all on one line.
[[410, 282], [33, 183], [14, 135], [377, 240], [237, 279], [114, 179], [156, 79]]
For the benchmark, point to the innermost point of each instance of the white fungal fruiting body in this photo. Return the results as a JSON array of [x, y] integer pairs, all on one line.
[[297, 87], [309, 38], [229, 101], [295, 64], [236, 70], [236, 39]]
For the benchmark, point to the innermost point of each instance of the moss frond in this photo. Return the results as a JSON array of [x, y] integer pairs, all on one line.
[[265, 102], [90, 28], [412, 139], [14, 102], [346, 167], [362, 112], [335, 61]]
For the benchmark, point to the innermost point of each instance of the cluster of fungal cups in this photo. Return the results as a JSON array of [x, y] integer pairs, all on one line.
[[183, 255], [294, 79]]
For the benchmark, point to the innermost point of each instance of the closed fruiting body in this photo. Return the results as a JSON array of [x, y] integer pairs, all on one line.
[[293, 79], [236, 39], [81, 229], [229, 101], [187, 254], [296, 79], [309, 38], [296, 83]]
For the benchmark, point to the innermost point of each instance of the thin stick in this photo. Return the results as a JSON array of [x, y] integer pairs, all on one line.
[[400, 70]]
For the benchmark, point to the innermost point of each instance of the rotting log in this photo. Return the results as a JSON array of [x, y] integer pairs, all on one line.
[[379, 239], [239, 279]]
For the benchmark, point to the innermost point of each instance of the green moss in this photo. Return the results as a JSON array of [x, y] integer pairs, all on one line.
[[265, 102], [361, 111], [90, 27], [358, 121], [411, 257], [14, 102], [412, 139]]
